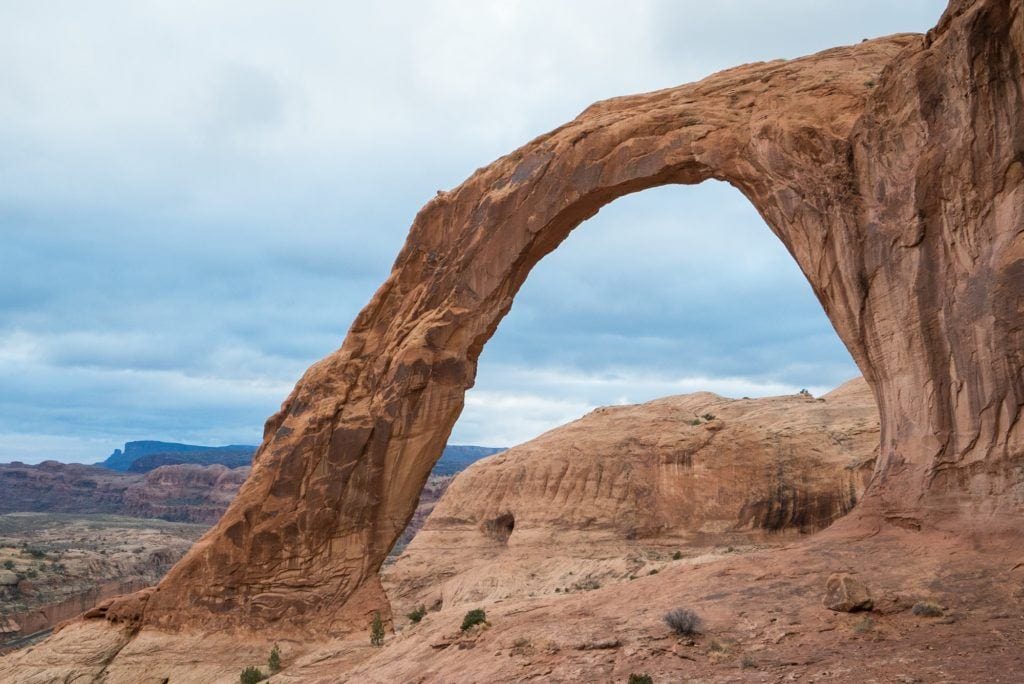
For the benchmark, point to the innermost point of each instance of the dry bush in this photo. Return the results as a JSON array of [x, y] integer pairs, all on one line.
[[683, 621]]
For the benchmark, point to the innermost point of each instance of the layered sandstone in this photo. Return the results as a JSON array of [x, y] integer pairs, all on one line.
[[891, 170], [621, 491], [181, 493]]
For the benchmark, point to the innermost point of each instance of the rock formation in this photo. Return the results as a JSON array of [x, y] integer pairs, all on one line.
[[892, 171], [622, 490], [183, 493], [145, 455]]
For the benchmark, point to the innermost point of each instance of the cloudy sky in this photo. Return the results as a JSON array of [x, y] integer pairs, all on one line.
[[198, 197]]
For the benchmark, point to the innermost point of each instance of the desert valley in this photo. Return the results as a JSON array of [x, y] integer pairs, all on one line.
[[872, 532]]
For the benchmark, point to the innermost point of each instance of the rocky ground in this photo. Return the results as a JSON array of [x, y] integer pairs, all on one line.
[[762, 614], [56, 566]]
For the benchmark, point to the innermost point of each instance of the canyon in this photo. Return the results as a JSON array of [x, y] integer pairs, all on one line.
[[892, 171], [183, 492]]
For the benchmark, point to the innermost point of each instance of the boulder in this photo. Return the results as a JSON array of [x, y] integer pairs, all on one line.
[[846, 594]]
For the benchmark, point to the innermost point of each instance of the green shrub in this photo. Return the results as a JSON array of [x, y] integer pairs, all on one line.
[[640, 679], [473, 618], [677, 555], [654, 571], [926, 609], [377, 630], [9, 564], [274, 661], [865, 625], [417, 613], [251, 675], [683, 621]]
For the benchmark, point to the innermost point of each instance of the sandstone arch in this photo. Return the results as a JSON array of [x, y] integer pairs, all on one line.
[[891, 170]]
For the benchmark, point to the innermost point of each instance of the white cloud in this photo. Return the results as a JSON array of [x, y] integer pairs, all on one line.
[[539, 399], [199, 196]]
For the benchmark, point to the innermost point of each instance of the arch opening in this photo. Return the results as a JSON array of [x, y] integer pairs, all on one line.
[[672, 290], [689, 292]]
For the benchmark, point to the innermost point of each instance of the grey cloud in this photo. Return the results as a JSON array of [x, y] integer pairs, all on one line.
[[184, 231]]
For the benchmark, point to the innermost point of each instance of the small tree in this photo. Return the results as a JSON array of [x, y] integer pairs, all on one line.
[[274, 661], [377, 630], [417, 613], [473, 618], [251, 675]]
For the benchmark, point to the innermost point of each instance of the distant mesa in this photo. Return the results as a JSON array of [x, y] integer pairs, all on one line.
[[143, 456], [146, 455]]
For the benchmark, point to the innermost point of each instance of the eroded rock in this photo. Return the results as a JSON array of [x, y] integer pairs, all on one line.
[[891, 170], [619, 491], [844, 593]]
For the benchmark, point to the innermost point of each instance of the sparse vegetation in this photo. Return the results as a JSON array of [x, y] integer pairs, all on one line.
[[35, 553], [926, 609], [748, 663], [677, 555], [654, 571], [9, 564], [377, 630], [695, 422], [708, 417], [683, 621], [473, 618], [640, 679], [588, 584], [417, 613], [864, 626], [274, 661], [251, 675]]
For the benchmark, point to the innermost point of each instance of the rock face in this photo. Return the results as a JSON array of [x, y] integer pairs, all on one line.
[[183, 493], [892, 170], [186, 492], [615, 492], [61, 488], [846, 594]]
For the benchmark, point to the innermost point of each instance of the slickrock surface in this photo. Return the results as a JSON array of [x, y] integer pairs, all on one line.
[[619, 492], [892, 170]]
